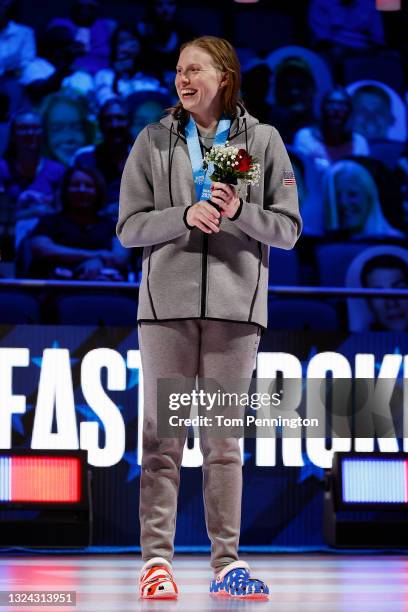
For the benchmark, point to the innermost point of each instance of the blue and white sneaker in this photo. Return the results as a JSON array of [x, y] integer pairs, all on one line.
[[234, 582]]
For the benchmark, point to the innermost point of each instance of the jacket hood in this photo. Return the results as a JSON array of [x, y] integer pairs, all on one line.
[[243, 121]]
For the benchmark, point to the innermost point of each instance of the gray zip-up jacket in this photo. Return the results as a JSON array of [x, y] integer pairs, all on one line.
[[186, 273]]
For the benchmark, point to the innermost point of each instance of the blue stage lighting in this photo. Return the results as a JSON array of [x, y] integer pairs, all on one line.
[[374, 480], [366, 500]]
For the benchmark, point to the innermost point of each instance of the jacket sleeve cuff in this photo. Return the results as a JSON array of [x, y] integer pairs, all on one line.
[[241, 202], [189, 227]]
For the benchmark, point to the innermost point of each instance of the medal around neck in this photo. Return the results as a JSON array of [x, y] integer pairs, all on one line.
[[201, 174]]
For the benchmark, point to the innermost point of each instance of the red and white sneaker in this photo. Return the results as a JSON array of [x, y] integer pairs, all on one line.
[[156, 580]]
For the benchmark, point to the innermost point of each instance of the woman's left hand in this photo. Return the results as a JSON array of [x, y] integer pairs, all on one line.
[[226, 197]]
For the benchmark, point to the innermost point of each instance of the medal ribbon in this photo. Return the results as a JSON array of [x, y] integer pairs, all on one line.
[[202, 181]]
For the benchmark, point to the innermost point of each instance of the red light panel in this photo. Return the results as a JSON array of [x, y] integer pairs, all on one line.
[[45, 479]]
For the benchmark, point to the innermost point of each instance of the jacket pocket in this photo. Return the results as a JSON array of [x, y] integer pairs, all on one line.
[[149, 263], [257, 280]]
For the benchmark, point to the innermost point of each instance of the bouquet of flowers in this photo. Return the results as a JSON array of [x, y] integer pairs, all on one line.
[[231, 164]]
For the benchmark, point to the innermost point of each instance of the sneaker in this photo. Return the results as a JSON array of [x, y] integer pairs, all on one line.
[[156, 580], [234, 582]]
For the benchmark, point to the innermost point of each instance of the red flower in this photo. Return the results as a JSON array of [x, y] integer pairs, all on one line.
[[244, 161]]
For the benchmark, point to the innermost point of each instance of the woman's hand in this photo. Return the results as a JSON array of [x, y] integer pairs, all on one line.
[[226, 197], [204, 216]]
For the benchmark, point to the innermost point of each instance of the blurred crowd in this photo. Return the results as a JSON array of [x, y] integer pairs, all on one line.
[[74, 96]]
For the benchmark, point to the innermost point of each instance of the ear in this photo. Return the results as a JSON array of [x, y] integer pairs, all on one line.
[[224, 79]]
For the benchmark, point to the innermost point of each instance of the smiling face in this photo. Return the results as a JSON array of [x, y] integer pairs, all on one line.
[[199, 83], [372, 115], [66, 131], [353, 201]]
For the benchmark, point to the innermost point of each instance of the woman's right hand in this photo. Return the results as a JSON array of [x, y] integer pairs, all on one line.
[[204, 216]]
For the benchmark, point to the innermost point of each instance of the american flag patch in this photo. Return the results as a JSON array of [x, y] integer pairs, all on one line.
[[288, 178]]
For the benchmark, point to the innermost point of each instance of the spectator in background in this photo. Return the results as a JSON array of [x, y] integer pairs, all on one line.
[[351, 203], [92, 32], [17, 42], [333, 138], [313, 63], [30, 180], [295, 89], [372, 112], [387, 272], [146, 107], [401, 175], [124, 76], [348, 24], [256, 83], [109, 156], [78, 242], [162, 34], [17, 49], [67, 127], [341, 28], [383, 267], [388, 189], [5, 122], [54, 70]]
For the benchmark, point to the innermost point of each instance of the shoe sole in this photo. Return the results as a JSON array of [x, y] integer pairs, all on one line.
[[165, 596], [252, 596]]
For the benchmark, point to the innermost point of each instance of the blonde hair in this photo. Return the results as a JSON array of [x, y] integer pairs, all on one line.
[[375, 222], [226, 60]]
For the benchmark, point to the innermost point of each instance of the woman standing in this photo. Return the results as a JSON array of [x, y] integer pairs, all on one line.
[[203, 296]]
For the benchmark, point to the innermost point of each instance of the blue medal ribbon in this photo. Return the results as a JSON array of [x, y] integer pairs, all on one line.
[[202, 181]]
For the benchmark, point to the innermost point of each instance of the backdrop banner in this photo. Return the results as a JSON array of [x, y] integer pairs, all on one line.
[[70, 387]]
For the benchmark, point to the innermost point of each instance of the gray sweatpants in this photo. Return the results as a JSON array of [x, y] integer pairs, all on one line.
[[220, 350]]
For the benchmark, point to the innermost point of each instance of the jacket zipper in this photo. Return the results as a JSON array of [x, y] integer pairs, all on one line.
[[204, 276], [204, 268], [205, 263]]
